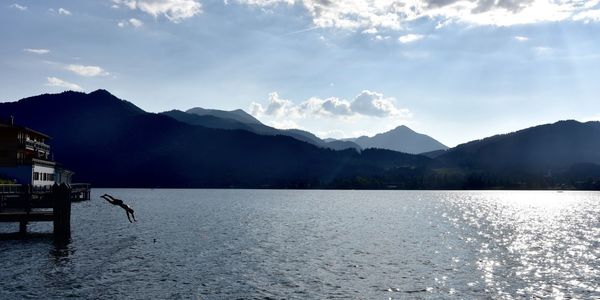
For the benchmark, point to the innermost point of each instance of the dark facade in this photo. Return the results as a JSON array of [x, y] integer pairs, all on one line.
[[26, 158], [20, 145]]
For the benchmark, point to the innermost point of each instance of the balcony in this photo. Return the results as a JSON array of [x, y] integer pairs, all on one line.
[[35, 145]]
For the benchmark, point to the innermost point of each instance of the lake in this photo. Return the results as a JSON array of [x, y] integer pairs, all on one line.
[[289, 244]]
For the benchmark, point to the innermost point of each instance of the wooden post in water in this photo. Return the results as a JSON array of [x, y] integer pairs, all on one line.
[[27, 198], [61, 195]]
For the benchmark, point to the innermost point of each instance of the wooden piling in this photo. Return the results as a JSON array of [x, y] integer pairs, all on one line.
[[22, 227], [27, 199], [62, 212], [23, 204]]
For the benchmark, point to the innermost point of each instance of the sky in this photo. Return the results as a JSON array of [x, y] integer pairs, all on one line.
[[457, 70]]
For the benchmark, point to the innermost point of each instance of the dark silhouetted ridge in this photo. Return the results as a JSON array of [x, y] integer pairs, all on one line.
[[111, 142]]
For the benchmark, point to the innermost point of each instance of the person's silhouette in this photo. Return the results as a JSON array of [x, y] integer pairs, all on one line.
[[114, 201]]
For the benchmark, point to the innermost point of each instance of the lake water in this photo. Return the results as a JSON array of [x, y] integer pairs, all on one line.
[[266, 244]]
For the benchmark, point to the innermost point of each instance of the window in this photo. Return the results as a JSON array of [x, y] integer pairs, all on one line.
[[36, 176], [44, 176]]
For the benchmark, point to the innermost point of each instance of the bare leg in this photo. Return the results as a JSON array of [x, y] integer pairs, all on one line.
[[133, 217], [127, 212]]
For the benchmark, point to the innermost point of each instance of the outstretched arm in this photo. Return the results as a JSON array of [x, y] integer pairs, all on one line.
[[109, 196], [105, 197]]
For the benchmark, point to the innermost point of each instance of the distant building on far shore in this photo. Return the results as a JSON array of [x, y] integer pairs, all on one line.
[[26, 158]]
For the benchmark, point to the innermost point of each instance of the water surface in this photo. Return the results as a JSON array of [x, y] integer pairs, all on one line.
[[227, 244]]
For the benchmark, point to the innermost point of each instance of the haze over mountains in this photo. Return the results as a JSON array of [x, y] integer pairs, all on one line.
[[111, 142]]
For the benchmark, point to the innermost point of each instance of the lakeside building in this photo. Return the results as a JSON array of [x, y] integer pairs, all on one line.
[[26, 158]]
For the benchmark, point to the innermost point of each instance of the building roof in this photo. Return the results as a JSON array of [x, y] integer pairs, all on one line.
[[25, 129]]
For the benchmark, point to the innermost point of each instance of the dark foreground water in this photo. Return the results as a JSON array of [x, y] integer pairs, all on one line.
[[227, 244]]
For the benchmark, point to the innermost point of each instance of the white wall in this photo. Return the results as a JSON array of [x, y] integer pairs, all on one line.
[[42, 170]]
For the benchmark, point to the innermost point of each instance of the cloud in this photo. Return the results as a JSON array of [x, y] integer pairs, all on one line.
[[131, 4], [62, 11], [409, 38], [36, 51], [367, 103], [135, 22], [87, 71], [277, 107], [336, 106], [395, 14], [174, 10], [18, 7], [521, 38], [57, 82], [374, 104], [588, 16]]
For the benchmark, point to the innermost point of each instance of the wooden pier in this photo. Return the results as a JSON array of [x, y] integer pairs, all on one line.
[[23, 204], [80, 191]]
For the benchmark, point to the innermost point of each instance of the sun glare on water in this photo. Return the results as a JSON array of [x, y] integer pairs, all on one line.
[[548, 240]]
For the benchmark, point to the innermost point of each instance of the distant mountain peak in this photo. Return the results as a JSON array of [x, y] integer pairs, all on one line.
[[101, 92], [237, 114], [402, 139], [402, 128]]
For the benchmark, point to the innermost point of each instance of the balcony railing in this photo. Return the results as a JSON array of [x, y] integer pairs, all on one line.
[[36, 145]]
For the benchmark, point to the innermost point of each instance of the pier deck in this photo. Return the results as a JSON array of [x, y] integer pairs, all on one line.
[[24, 204]]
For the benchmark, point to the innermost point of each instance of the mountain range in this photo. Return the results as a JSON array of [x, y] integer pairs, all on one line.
[[113, 143], [238, 119], [401, 139]]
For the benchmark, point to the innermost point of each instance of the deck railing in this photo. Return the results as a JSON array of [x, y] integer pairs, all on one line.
[[79, 191]]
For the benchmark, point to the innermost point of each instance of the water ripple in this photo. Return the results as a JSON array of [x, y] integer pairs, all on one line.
[[247, 244]]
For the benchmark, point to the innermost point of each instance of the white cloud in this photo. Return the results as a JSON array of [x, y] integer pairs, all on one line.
[[174, 10], [87, 71], [256, 109], [280, 107], [366, 103], [409, 38], [336, 106], [36, 51], [57, 82], [62, 11], [374, 104], [521, 38], [370, 31], [588, 16], [19, 7], [131, 4], [394, 14], [382, 38], [135, 22]]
